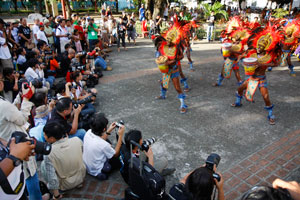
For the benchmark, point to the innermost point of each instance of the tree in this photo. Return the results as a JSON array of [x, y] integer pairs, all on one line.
[[217, 8], [154, 8]]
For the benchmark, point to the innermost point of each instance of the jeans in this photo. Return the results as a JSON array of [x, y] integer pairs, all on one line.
[[92, 44], [100, 62], [121, 37], [210, 32], [79, 133], [33, 187], [51, 80], [88, 109]]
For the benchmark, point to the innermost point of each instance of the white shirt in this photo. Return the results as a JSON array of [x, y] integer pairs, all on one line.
[[35, 29], [62, 31], [21, 60], [14, 33], [30, 74], [96, 152], [4, 50], [79, 89], [42, 36]]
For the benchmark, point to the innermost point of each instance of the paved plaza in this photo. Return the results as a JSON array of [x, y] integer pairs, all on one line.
[[252, 151]]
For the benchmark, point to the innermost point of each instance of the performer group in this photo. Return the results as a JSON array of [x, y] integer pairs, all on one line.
[[246, 45]]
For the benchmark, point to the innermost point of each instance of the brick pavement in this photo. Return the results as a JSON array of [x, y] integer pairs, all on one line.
[[275, 160]]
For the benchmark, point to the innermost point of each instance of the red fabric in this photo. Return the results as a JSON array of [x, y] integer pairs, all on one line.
[[54, 65], [80, 30], [68, 77], [144, 26]]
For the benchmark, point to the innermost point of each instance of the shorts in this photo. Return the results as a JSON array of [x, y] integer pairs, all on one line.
[[131, 34]]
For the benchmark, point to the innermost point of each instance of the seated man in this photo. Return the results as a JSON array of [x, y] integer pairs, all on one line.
[[159, 164], [98, 155], [198, 184], [63, 168], [11, 79], [62, 112]]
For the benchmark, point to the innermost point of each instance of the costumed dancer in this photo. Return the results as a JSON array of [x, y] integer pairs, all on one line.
[[235, 37], [263, 53], [167, 57], [292, 33]]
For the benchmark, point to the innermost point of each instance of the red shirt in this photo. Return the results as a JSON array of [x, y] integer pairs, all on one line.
[[80, 30]]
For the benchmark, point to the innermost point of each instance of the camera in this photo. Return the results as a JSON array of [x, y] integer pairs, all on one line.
[[82, 53], [82, 101], [81, 67], [120, 123], [147, 143], [95, 95], [213, 159], [43, 148], [68, 35], [50, 98]]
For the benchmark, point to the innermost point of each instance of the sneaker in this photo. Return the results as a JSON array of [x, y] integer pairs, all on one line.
[[167, 171], [108, 68]]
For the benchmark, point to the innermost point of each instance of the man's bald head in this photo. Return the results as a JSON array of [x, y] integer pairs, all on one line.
[[71, 53]]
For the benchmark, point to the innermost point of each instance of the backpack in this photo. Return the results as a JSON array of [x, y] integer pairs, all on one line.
[[146, 182]]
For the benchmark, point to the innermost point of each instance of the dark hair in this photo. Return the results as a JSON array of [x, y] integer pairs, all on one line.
[[40, 44], [200, 184], [67, 46], [61, 20], [75, 31], [60, 87], [98, 124], [63, 104], [134, 135], [74, 75], [38, 99], [19, 50], [30, 55], [266, 193], [32, 62], [7, 71], [54, 129]]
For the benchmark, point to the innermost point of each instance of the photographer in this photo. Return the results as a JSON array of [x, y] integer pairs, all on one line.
[[199, 184], [64, 89], [92, 31], [99, 156], [11, 79], [81, 94], [63, 168], [121, 30], [281, 190], [5, 56], [62, 34], [11, 168], [16, 120], [41, 35], [99, 61], [66, 63], [159, 164], [62, 112]]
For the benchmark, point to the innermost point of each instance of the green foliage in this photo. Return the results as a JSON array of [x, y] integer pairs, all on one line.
[[280, 13], [217, 8]]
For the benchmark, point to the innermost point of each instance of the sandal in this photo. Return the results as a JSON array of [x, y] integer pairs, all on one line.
[[272, 121], [186, 89], [235, 105], [160, 97], [183, 110]]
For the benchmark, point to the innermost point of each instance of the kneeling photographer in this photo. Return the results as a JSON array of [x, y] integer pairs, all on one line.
[[200, 183], [82, 96], [145, 154], [99, 156]]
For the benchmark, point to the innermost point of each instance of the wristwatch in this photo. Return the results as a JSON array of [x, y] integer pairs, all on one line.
[[15, 160]]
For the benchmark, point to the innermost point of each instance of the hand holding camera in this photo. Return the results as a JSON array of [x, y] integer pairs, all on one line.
[[27, 90], [78, 109], [121, 131], [21, 150]]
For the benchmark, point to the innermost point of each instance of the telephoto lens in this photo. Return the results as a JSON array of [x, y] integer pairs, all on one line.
[[147, 143]]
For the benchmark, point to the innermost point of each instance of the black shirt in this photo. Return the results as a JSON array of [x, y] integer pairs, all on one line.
[[65, 64], [211, 20], [178, 192], [55, 117], [125, 20], [130, 27], [9, 86], [121, 29], [26, 32]]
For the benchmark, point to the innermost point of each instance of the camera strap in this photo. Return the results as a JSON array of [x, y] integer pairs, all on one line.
[[6, 186]]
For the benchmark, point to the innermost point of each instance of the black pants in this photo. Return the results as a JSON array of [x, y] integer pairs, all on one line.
[[121, 37]]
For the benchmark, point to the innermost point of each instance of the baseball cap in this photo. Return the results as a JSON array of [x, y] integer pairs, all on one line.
[[41, 24], [46, 21]]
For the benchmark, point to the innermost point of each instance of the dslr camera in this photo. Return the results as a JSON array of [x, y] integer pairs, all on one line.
[[213, 159], [43, 148], [147, 143], [120, 123]]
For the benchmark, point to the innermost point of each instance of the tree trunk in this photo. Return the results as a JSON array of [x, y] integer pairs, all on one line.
[[148, 8], [158, 8], [291, 6], [54, 8], [23, 5], [117, 6], [68, 10], [15, 5], [40, 7], [48, 11]]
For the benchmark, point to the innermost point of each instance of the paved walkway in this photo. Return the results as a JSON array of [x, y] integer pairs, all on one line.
[[252, 151]]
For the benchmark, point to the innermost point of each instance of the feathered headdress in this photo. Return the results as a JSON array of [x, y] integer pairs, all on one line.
[[267, 38], [292, 29], [174, 34], [240, 34], [233, 23]]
